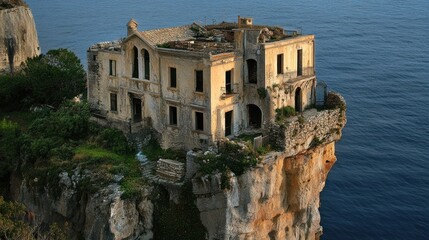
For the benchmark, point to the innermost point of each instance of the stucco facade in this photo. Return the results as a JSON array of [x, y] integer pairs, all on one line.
[[196, 84]]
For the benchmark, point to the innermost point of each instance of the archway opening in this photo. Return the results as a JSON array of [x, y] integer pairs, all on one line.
[[135, 73], [146, 58], [252, 70], [255, 116], [298, 100]]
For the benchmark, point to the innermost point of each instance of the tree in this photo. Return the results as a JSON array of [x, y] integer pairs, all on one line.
[[9, 146], [54, 77]]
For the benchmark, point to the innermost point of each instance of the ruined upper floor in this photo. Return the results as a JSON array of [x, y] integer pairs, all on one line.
[[210, 39]]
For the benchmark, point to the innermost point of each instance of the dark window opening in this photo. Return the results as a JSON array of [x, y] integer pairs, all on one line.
[[135, 73], [228, 123], [112, 67], [199, 81], [298, 101], [199, 121], [255, 116], [113, 102], [94, 57], [279, 63], [299, 63], [172, 112], [173, 78], [252, 70], [146, 64], [137, 109], [228, 83]]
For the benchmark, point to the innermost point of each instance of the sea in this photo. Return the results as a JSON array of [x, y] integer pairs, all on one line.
[[374, 52]]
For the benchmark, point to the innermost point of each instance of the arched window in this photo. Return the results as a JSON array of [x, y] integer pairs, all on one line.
[[146, 69], [252, 70], [135, 68]]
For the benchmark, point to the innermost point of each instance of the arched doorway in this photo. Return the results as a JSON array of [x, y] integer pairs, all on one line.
[[255, 116], [252, 71], [298, 100]]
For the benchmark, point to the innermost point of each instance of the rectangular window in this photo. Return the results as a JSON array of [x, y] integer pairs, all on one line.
[[113, 102], [199, 121], [279, 63], [299, 63], [228, 82], [173, 78], [199, 81], [172, 112], [112, 67]]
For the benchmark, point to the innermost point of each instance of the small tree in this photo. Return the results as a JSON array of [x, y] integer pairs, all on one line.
[[54, 77]]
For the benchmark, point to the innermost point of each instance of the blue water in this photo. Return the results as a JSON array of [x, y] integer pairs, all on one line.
[[374, 52]]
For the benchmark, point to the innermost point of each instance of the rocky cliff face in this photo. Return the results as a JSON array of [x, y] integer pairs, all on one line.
[[279, 199], [100, 214], [18, 36]]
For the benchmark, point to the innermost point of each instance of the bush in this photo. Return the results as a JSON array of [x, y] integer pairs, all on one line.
[[231, 156], [284, 112], [9, 146], [115, 140]]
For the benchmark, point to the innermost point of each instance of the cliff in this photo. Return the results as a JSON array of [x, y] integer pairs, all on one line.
[[276, 199], [18, 36]]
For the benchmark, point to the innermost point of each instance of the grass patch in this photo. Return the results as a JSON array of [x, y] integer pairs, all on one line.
[[154, 152], [22, 118], [108, 163]]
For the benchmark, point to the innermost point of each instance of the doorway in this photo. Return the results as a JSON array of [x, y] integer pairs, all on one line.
[[228, 123], [298, 101], [137, 109], [255, 116]]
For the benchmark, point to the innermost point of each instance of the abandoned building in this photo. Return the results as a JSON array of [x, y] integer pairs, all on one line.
[[197, 84]]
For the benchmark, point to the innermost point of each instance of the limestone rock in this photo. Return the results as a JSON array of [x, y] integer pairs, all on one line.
[[18, 36], [279, 199]]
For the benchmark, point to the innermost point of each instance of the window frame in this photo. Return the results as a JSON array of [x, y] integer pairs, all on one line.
[[113, 102], [172, 77], [199, 121], [172, 115], [112, 67], [280, 64], [228, 86], [199, 81]]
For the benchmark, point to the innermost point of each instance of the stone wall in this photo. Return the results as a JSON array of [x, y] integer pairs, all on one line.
[[311, 128], [170, 169]]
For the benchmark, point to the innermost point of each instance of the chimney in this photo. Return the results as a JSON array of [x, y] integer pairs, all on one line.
[[244, 21], [132, 27]]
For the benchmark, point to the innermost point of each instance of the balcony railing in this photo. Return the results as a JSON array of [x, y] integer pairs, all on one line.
[[231, 89]]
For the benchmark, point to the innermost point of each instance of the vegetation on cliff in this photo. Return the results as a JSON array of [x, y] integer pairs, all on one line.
[[6, 4], [47, 79]]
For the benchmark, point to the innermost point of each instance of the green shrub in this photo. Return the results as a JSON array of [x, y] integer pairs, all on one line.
[[285, 112], [114, 139], [231, 156], [9, 146]]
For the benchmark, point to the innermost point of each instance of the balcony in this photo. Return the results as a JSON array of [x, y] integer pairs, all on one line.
[[229, 90]]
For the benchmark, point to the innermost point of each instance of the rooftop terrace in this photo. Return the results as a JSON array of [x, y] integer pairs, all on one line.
[[211, 39]]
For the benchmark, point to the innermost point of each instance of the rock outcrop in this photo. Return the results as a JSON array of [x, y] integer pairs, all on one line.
[[18, 36], [279, 199], [100, 214]]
